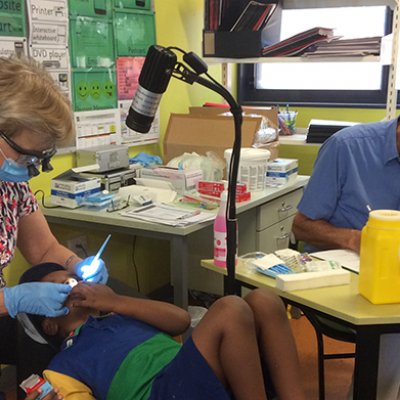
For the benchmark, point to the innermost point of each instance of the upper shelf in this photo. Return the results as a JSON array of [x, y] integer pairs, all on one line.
[[258, 60], [336, 3]]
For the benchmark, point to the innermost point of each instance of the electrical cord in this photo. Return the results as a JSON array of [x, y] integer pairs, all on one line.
[[40, 191], [135, 268]]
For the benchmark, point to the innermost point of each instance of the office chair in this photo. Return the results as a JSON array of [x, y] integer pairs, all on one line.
[[335, 330], [324, 326]]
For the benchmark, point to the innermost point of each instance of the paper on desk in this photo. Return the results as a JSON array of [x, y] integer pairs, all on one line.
[[346, 258], [168, 215]]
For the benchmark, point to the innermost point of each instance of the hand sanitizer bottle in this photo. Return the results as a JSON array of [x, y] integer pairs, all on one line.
[[220, 233]]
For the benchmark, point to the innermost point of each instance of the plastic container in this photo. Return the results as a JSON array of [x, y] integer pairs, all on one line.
[[220, 248], [196, 314], [252, 167], [379, 279]]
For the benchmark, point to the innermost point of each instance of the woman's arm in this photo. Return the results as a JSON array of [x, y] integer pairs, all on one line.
[[164, 316], [37, 244], [324, 235]]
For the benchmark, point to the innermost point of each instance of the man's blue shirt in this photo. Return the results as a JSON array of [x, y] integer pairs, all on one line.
[[356, 168]]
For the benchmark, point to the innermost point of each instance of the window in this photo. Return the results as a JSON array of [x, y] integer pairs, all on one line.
[[321, 83]]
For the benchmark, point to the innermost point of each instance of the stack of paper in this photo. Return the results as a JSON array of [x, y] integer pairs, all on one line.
[[297, 44], [168, 215], [346, 47], [320, 130], [346, 258]]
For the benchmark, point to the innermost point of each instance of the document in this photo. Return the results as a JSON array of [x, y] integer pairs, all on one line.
[[346, 258], [168, 215]]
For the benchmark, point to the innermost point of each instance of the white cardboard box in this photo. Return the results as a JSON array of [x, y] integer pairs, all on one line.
[[281, 171], [70, 189], [183, 181]]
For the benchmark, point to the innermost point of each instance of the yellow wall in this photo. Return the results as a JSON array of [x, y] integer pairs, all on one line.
[[306, 154], [178, 23]]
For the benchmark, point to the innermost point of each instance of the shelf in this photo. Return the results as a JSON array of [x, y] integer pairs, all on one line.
[[335, 3], [258, 60]]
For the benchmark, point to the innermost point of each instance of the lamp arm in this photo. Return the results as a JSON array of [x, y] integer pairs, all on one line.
[[181, 72]]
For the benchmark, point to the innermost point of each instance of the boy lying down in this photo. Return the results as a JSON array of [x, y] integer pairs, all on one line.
[[130, 353]]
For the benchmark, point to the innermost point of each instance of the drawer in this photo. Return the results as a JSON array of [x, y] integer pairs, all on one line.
[[277, 210], [275, 237]]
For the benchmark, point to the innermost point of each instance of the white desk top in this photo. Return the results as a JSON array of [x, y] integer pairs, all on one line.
[[343, 301], [114, 218]]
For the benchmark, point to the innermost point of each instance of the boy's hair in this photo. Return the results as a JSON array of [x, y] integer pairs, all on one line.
[[30, 99], [31, 323]]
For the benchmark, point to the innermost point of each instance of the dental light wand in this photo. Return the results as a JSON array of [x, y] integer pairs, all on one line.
[[94, 265]]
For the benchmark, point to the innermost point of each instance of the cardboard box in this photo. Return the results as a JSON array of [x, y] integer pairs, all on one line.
[[70, 189], [271, 113], [202, 131], [281, 171], [183, 181]]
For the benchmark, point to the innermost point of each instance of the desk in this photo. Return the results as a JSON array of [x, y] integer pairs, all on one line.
[[177, 236], [341, 303]]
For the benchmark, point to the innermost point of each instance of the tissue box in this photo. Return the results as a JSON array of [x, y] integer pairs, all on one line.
[[281, 171], [70, 189], [309, 280]]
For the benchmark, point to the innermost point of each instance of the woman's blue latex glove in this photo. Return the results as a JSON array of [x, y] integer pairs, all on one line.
[[96, 273], [42, 298]]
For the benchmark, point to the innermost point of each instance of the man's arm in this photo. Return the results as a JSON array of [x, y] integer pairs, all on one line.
[[164, 316], [324, 235]]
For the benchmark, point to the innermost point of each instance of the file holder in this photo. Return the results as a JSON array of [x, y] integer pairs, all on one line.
[[232, 44], [244, 43]]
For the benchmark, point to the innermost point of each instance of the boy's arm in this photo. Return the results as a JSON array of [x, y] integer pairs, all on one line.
[[164, 316], [70, 388]]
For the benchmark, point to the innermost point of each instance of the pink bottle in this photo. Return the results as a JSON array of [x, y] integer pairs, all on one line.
[[220, 233]]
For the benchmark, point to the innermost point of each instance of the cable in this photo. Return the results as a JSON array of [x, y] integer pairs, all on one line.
[[43, 196], [135, 268]]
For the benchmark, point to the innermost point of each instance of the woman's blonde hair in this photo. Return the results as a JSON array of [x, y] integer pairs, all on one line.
[[31, 100]]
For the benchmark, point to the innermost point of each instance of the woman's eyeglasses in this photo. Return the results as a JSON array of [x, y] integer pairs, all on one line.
[[31, 159]]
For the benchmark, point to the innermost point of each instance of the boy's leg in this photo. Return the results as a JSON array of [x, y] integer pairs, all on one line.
[[277, 343], [226, 338]]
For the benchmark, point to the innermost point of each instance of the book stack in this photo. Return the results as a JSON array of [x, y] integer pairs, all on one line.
[[320, 130], [296, 45], [346, 47], [240, 28]]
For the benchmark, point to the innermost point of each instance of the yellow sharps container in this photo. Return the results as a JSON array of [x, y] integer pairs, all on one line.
[[379, 279]]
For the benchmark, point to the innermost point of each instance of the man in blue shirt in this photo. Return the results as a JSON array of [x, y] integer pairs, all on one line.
[[357, 170]]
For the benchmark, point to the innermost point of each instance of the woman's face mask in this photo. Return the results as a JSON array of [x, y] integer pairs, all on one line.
[[11, 171]]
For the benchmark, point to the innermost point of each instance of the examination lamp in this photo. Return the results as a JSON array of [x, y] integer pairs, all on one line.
[[160, 65]]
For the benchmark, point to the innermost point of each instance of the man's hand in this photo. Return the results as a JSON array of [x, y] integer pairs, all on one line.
[[99, 297]]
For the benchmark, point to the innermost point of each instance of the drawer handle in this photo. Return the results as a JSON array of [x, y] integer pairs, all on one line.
[[284, 236], [285, 208]]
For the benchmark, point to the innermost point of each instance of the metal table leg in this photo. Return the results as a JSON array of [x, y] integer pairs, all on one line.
[[179, 270], [366, 363]]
